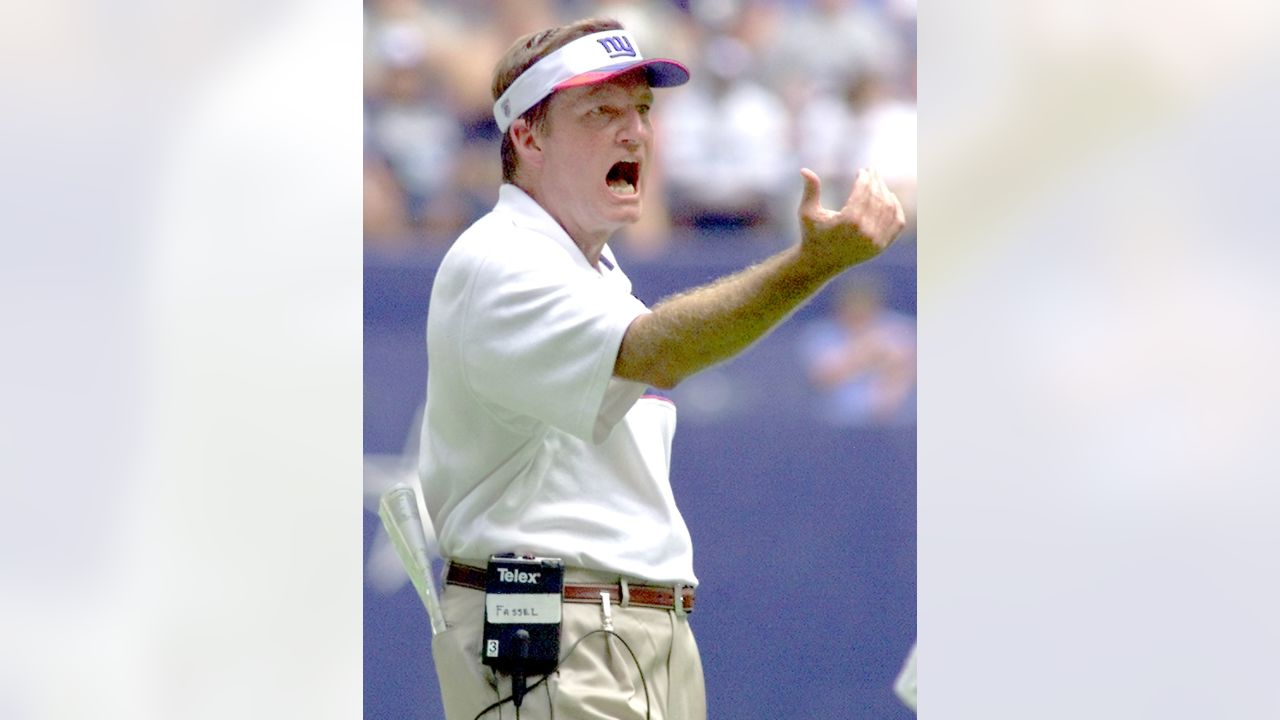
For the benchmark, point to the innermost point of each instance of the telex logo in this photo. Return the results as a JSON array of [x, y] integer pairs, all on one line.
[[617, 46], [518, 576]]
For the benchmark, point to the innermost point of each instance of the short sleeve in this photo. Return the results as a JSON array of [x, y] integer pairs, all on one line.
[[541, 338]]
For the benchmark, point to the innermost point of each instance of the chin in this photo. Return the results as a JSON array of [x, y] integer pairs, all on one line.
[[627, 215]]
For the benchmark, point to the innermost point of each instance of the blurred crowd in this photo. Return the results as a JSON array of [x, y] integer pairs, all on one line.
[[862, 358], [777, 85]]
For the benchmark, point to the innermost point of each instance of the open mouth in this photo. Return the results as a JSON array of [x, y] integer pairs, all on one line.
[[623, 177]]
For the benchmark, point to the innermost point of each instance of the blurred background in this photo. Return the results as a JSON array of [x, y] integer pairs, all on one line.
[[777, 84], [795, 463]]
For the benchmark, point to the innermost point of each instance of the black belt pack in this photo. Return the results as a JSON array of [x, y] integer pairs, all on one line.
[[522, 614]]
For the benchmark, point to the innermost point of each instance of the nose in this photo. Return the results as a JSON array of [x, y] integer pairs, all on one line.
[[635, 130]]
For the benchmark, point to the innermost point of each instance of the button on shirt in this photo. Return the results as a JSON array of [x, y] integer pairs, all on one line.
[[529, 444]]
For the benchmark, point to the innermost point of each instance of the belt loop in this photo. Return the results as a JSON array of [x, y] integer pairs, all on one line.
[[606, 611], [626, 592], [678, 592]]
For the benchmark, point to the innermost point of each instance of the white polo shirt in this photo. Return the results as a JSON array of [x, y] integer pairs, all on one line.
[[529, 444]]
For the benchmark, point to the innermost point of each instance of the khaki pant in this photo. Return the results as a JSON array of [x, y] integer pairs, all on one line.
[[598, 681]]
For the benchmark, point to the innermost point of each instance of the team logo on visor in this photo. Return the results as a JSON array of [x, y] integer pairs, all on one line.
[[617, 46]]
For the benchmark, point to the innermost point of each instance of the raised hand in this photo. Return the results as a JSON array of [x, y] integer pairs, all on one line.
[[869, 221]]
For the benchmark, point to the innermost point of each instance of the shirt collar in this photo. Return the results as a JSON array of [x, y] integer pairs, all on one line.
[[526, 213]]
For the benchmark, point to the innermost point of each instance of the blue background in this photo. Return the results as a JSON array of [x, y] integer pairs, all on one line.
[[804, 534]]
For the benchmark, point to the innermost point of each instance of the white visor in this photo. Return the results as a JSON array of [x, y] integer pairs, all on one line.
[[587, 60]]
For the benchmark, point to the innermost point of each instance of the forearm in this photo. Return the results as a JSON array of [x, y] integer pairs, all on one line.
[[702, 327], [696, 329]]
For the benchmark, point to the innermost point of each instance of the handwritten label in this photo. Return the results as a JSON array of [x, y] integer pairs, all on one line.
[[506, 609]]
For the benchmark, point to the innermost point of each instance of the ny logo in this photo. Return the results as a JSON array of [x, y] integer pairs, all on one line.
[[617, 46]]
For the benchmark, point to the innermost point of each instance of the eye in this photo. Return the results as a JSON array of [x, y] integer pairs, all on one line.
[[643, 109]]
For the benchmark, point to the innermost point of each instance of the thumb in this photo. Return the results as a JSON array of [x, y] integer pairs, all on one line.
[[811, 200]]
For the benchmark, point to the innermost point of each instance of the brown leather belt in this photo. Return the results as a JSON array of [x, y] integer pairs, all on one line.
[[662, 597]]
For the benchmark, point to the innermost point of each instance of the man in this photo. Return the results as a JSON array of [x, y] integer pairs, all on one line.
[[539, 436]]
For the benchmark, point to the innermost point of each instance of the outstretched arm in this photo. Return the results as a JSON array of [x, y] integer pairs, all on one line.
[[701, 327]]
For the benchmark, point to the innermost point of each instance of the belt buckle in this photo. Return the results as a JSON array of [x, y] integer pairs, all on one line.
[[678, 602]]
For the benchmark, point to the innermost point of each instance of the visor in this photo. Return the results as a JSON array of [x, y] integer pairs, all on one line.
[[590, 59]]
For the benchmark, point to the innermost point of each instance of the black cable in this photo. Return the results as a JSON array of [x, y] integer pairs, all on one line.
[[644, 683]]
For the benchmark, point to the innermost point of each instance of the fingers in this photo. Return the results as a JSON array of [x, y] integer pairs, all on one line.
[[811, 200], [874, 208], [862, 184], [894, 215], [860, 206]]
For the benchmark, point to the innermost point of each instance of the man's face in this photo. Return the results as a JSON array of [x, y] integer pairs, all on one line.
[[596, 148]]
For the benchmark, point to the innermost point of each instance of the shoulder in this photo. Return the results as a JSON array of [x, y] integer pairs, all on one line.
[[492, 239], [496, 255], [499, 237], [479, 241]]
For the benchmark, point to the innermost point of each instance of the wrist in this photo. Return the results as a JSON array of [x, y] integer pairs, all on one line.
[[809, 269]]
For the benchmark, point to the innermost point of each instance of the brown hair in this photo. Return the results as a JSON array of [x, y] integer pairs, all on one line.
[[520, 57]]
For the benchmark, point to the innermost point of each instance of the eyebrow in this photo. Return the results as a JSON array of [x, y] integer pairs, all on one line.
[[595, 90]]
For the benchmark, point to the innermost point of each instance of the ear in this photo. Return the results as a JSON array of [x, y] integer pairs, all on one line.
[[525, 140]]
